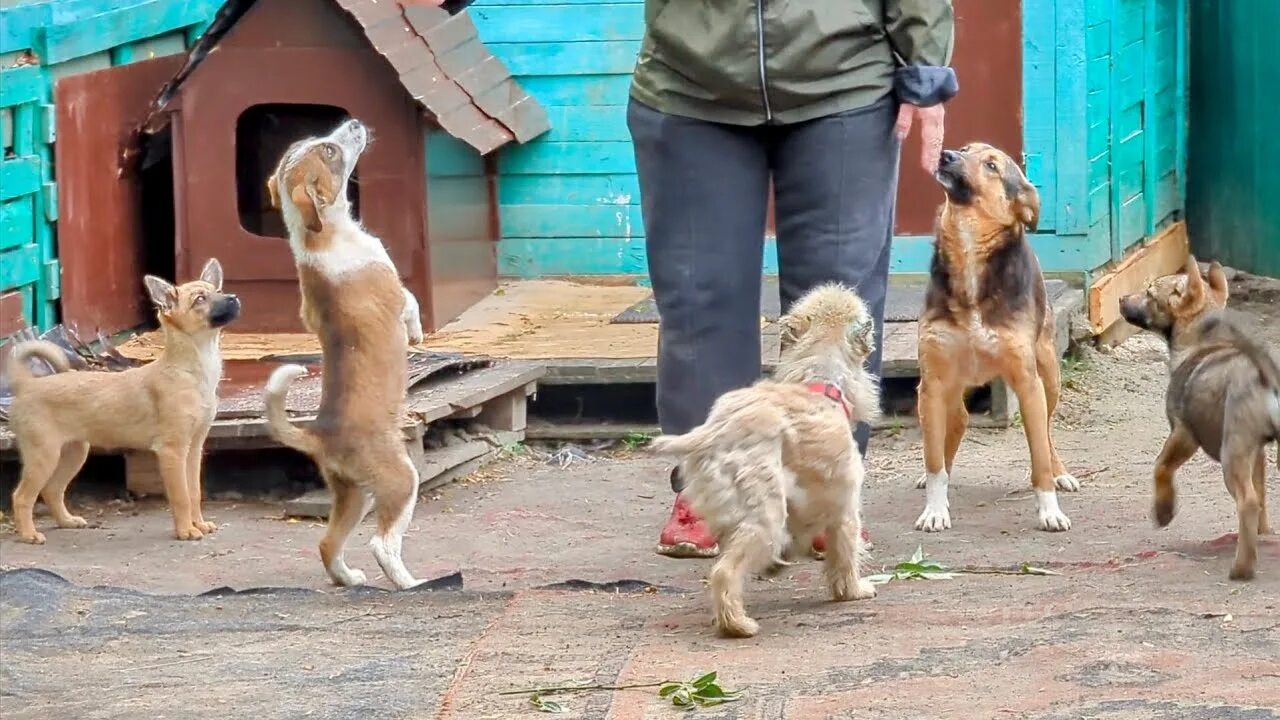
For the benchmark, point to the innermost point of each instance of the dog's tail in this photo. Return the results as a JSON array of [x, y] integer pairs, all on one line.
[[1258, 355], [20, 374], [278, 420], [680, 445]]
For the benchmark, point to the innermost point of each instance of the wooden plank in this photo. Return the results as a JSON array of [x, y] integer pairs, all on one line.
[[12, 312], [1180, 101], [593, 57], [142, 474], [21, 85], [1071, 104], [433, 401], [20, 266], [436, 468], [17, 223], [552, 221], [1164, 254], [1040, 104], [100, 33], [564, 189], [569, 158], [587, 123], [19, 176], [587, 255], [581, 90], [508, 412], [559, 23]]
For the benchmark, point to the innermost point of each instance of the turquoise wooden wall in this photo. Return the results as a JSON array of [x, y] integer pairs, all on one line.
[[1103, 110], [1232, 211], [64, 37]]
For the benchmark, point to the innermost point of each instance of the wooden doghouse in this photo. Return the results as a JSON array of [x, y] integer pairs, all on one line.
[[263, 74]]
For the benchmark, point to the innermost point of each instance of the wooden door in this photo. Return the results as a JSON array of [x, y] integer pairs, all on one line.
[[100, 233]]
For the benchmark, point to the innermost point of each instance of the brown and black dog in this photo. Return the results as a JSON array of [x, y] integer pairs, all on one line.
[[353, 300], [1223, 396], [986, 315]]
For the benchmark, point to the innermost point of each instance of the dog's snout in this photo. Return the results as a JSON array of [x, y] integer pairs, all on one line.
[[948, 157], [1132, 312]]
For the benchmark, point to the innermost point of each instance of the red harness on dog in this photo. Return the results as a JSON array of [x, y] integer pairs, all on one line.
[[832, 392]]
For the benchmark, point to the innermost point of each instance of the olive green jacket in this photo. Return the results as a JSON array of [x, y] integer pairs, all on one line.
[[750, 62]]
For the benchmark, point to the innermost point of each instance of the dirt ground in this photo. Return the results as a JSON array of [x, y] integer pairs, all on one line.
[[559, 584]]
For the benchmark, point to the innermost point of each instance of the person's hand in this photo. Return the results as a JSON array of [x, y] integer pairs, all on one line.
[[931, 130]]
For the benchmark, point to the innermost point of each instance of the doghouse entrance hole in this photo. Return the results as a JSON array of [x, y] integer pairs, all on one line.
[[263, 133]]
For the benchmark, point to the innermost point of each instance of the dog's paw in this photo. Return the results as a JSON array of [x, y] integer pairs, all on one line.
[[1162, 511], [922, 481], [1049, 515], [206, 527], [934, 519], [73, 522], [737, 627], [850, 589], [1067, 482], [188, 533], [351, 577], [1241, 572], [35, 538]]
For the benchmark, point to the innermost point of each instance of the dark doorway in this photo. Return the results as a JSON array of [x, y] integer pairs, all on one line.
[[263, 133]]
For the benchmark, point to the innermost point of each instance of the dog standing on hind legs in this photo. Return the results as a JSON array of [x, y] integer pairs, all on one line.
[[776, 463], [352, 298], [165, 406], [1223, 396], [986, 315]]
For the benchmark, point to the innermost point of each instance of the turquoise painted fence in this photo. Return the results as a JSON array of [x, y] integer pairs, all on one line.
[[1103, 119], [62, 37]]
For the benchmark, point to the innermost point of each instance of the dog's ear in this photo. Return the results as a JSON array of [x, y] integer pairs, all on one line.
[[163, 295], [1218, 283], [212, 273], [861, 337], [790, 327], [273, 192], [1028, 205], [1195, 287], [309, 204]]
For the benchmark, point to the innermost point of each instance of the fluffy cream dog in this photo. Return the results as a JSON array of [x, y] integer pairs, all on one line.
[[776, 463]]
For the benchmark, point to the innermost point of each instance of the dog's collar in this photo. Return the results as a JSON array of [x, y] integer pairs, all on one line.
[[832, 392]]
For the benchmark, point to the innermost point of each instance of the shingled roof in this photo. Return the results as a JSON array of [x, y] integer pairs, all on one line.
[[438, 57]]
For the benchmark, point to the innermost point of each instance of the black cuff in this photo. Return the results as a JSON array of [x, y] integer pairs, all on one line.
[[924, 85]]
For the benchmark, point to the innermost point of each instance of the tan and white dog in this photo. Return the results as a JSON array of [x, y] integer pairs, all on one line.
[[166, 407], [352, 298], [775, 464]]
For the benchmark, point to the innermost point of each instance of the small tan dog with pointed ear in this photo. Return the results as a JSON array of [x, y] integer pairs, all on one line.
[[775, 464], [166, 406], [353, 300]]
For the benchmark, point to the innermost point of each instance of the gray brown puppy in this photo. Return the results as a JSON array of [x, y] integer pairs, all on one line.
[[776, 463], [166, 406], [1223, 397]]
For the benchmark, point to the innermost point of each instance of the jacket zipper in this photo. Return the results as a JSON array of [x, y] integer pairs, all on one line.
[[764, 79]]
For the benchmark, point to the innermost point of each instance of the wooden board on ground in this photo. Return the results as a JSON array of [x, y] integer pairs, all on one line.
[[1164, 254], [436, 467]]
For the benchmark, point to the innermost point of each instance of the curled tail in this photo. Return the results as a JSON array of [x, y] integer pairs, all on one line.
[[278, 423], [20, 374], [1258, 355]]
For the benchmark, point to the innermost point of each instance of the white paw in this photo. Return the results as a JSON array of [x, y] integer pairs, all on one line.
[[1067, 483], [350, 577], [934, 519], [937, 509], [1050, 516], [922, 481], [864, 590]]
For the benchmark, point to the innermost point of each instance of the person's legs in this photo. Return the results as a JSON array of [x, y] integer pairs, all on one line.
[[835, 181], [703, 192]]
